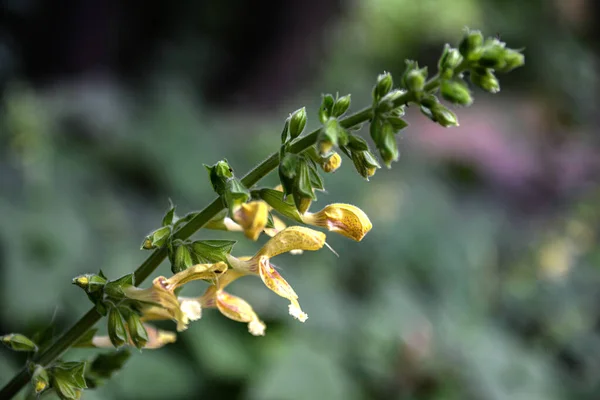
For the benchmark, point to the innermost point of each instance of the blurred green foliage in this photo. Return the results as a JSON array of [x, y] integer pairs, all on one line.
[[464, 289]]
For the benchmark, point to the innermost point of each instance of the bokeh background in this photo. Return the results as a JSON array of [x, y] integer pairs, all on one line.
[[481, 277]]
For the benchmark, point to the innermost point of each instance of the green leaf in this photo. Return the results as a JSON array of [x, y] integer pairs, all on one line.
[[315, 179], [274, 198], [213, 250], [235, 193], [68, 379]]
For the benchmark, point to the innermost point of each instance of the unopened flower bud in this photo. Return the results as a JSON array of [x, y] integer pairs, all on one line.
[[297, 122], [116, 328], [512, 59], [383, 86], [90, 282], [332, 163], [440, 114], [157, 238], [341, 106], [485, 79], [18, 342], [450, 59], [303, 191], [456, 93], [182, 260], [492, 57], [470, 43], [415, 79], [365, 163], [40, 379]]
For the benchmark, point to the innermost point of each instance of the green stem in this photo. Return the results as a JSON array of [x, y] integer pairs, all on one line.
[[64, 342]]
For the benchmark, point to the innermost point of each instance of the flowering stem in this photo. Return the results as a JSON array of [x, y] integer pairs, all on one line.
[[64, 342]]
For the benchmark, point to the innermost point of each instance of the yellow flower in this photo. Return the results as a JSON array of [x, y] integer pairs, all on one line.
[[157, 338], [345, 219], [332, 163], [252, 217], [163, 302], [231, 306], [291, 238]]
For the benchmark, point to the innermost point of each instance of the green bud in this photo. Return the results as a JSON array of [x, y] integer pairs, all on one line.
[[328, 137], [117, 332], [440, 114], [383, 86], [218, 175], [284, 132], [303, 191], [387, 102], [450, 59], [485, 79], [414, 80], [492, 57], [212, 251], [137, 331], [40, 380], [470, 43], [115, 288], [512, 59], [297, 122], [456, 93], [341, 106], [326, 108], [18, 342], [365, 163], [90, 282], [183, 259], [157, 238]]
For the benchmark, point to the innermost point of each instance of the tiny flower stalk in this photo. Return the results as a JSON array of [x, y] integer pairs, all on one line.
[[345, 219]]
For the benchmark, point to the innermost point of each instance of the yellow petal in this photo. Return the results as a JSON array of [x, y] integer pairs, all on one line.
[[345, 219], [195, 272], [238, 309], [234, 307], [252, 217], [332, 163], [292, 238], [274, 281]]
